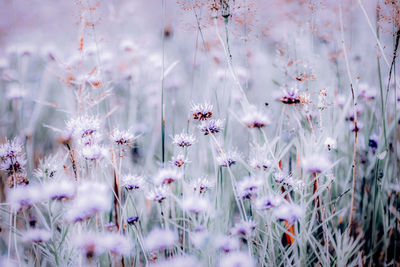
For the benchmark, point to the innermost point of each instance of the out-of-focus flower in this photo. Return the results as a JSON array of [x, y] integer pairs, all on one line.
[[92, 198], [279, 176], [366, 92], [36, 235], [289, 212], [195, 204], [237, 259], [226, 243], [183, 139], [132, 220], [316, 163], [60, 189], [159, 239], [95, 244], [167, 176], [131, 181], [158, 193], [373, 143], [15, 91], [93, 152], [245, 228], [268, 202], [122, 137], [211, 126], [226, 159], [177, 261], [255, 119], [294, 182], [248, 187], [202, 112], [21, 196], [199, 238]]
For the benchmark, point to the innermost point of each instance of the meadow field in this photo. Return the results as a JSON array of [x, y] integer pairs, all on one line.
[[231, 133]]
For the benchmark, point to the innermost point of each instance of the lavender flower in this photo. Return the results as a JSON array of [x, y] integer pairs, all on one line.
[[202, 112], [183, 139]]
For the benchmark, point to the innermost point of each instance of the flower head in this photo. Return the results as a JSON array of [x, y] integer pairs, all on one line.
[[245, 228], [248, 187], [158, 193], [159, 239], [227, 159], [268, 202], [255, 119], [167, 176], [36, 235], [202, 184], [195, 204], [289, 212], [226, 243], [316, 163], [183, 139], [237, 259], [122, 137], [211, 126], [92, 198], [131, 181], [202, 112]]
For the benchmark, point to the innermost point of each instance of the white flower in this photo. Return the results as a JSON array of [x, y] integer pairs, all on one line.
[[12, 156], [93, 152], [268, 202], [248, 187], [15, 91], [158, 193], [199, 238], [255, 119], [226, 243], [211, 126], [202, 112], [260, 163], [36, 235], [92, 198], [316, 163], [21, 196], [227, 159], [201, 185], [60, 189], [179, 160], [195, 204], [131, 181], [167, 176], [183, 139], [94, 244], [159, 239], [122, 137], [237, 259], [245, 228], [84, 128], [289, 212], [177, 261]]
